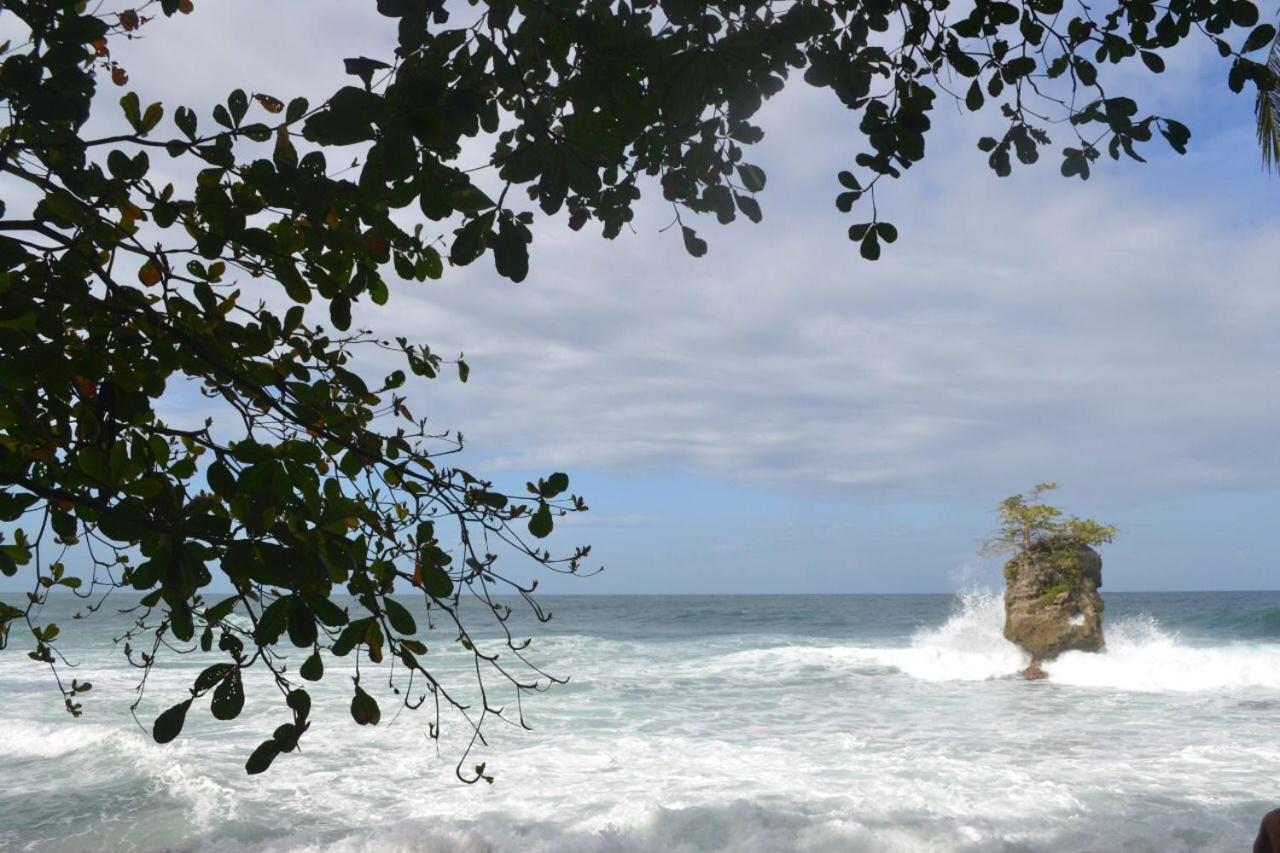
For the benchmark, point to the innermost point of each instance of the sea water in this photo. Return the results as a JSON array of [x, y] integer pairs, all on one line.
[[717, 723]]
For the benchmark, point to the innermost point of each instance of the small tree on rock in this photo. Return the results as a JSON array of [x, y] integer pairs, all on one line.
[[1028, 524]]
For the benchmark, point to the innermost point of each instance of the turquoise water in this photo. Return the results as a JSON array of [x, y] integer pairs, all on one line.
[[717, 723]]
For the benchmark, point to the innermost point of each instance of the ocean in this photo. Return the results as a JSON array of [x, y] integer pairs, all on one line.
[[696, 723]]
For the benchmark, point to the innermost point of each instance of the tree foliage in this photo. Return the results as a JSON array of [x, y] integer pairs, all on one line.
[[1027, 522], [120, 289]]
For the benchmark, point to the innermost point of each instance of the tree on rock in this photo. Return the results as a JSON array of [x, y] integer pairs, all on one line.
[[1026, 521], [1051, 595]]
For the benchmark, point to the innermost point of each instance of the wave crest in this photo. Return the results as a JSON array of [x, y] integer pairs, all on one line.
[[1140, 656]]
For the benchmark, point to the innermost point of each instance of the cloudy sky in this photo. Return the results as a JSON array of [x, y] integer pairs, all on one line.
[[782, 416]]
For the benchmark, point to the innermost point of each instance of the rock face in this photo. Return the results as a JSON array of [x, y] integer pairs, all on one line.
[[1051, 600]]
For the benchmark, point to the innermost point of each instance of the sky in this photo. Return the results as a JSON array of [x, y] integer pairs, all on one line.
[[782, 416]]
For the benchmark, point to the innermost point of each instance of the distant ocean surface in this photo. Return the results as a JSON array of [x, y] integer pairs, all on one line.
[[702, 723]]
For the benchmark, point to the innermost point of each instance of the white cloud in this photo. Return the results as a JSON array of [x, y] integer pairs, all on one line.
[[1020, 329], [1119, 332]]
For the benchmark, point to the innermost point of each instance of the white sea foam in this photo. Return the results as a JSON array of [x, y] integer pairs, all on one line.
[[25, 739], [743, 826], [788, 742], [969, 646], [1140, 656]]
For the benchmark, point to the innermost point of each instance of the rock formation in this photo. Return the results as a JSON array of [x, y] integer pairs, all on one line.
[[1051, 600]]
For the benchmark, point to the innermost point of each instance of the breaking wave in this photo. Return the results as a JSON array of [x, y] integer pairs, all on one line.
[[1140, 655]]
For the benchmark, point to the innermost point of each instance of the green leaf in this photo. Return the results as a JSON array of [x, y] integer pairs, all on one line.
[[1260, 37], [262, 757], [294, 284], [540, 523], [870, 247], [271, 623], [364, 708], [1177, 134], [221, 481], [340, 312], [352, 634], [468, 198], [437, 582], [297, 109], [228, 697], [221, 610], [222, 117], [753, 177], [693, 244], [286, 737], [211, 675], [151, 118], [469, 241], [169, 724], [327, 612], [132, 110], [554, 485], [93, 462], [511, 251], [238, 102], [433, 264], [180, 621], [364, 68], [973, 98], [302, 623], [186, 120], [299, 701], [312, 668], [399, 617], [348, 118], [1244, 13]]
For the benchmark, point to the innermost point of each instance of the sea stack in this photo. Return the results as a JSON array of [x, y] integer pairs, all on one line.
[[1051, 600]]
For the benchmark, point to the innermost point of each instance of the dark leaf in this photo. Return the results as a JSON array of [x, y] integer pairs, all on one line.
[[540, 523], [399, 617], [312, 668], [364, 68], [753, 177], [693, 244], [228, 697], [364, 708], [169, 724], [262, 757]]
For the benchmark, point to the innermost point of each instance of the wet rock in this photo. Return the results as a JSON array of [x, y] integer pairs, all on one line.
[[1051, 600], [1034, 672]]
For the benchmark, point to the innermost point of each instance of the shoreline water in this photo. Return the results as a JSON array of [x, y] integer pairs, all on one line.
[[717, 723]]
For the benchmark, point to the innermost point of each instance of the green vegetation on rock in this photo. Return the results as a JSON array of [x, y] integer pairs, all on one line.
[[1027, 523]]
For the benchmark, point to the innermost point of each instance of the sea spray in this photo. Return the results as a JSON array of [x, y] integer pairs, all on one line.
[[968, 646], [1140, 655]]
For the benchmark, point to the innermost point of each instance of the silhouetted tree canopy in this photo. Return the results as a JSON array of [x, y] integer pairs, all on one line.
[[119, 289]]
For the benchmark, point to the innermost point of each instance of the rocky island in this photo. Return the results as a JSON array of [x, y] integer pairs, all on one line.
[[1051, 599]]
